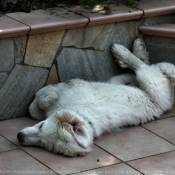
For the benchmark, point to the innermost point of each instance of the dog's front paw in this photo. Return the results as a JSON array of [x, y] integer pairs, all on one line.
[[121, 54]]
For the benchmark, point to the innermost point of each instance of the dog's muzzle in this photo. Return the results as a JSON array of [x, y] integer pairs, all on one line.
[[20, 137]]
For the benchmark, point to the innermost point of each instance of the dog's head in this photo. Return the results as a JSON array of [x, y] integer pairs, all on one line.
[[61, 133]]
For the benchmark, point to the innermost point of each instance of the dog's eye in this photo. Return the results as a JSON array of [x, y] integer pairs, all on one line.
[[41, 125]]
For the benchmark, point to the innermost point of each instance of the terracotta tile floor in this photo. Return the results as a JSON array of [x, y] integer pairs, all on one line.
[[147, 149]]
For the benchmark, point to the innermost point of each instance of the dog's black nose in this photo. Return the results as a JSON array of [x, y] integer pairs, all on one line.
[[20, 137]]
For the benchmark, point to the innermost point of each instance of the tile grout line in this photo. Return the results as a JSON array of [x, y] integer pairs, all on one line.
[[39, 161], [79, 14], [18, 147], [117, 158], [143, 11], [126, 162], [9, 150], [100, 148], [21, 23], [134, 168], [157, 135], [95, 168], [9, 140], [108, 152], [97, 146], [149, 156]]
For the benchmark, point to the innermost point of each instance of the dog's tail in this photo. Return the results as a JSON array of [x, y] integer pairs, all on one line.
[[168, 70]]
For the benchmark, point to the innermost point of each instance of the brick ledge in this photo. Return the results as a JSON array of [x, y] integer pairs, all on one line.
[[165, 30], [39, 21]]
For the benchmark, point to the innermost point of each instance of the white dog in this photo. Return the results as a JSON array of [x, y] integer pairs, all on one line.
[[77, 110]]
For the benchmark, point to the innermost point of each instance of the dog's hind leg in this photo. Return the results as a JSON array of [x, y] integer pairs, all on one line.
[[150, 78], [168, 70], [157, 86], [139, 50]]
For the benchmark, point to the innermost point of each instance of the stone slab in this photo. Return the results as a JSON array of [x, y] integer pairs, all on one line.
[[159, 40], [19, 48], [3, 77], [53, 76], [161, 49], [41, 48], [85, 64], [125, 33], [89, 37], [18, 91], [6, 55], [161, 53]]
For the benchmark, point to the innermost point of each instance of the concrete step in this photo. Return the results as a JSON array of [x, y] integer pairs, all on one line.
[[164, 30]]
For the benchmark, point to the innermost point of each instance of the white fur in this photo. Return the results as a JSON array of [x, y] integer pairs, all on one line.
[[77, 111]]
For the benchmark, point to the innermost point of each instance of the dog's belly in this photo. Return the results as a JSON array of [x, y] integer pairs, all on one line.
[[107, 104]]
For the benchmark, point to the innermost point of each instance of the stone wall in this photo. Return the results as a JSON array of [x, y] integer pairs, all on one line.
[[27, 63]]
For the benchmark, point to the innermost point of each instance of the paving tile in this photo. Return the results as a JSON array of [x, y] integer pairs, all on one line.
[[10, 128], [112, 170], [156, 8], [162, 164], [133, 143], [67, 165], [11, 28], [43, 21], [18, 162], [6, 145], [163, 128]]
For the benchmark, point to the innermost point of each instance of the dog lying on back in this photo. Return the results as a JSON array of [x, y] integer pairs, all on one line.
[[76, 111]]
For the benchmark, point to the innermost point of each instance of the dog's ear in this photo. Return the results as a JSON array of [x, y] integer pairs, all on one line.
[[76, 128], [45, 101]]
